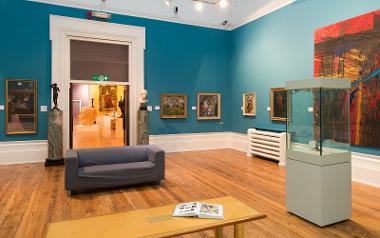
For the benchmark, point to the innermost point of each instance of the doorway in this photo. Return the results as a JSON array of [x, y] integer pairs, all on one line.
[[99, 115], [63, 30], [99, 93]]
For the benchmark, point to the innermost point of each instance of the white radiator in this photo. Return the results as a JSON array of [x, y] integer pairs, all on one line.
[[267, 144]]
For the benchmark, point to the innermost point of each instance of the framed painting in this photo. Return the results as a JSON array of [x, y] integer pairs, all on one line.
[[249, 104], [21, 106], [107, 98], [351, 49], [278, 104], [173, 105], [209, 106]]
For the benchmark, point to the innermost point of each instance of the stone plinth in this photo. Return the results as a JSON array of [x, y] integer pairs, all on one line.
[[143, 127], [55, 137]]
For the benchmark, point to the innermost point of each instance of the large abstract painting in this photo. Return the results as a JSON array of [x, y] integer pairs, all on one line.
[[351, 49]]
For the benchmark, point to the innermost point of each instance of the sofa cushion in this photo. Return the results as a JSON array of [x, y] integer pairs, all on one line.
[[115, 170], [114, 155]]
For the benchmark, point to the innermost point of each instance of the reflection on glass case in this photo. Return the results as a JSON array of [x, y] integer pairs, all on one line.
[[319, 120]]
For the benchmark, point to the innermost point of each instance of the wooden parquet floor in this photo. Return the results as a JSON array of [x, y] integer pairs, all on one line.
[[32, 196]]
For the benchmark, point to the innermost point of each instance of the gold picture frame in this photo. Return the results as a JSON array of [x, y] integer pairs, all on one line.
[[173, 105], [209, 106], [278, 106], [21, 113], [249, 104], [107, 98]]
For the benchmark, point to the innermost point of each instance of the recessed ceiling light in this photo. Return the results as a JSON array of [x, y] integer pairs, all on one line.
[[199, 6], [223, 3]]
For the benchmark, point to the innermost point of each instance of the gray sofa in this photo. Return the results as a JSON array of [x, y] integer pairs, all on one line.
[[112, 167]]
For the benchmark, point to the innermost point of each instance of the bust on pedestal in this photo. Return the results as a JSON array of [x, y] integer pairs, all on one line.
[[55, 132], [143, 120]]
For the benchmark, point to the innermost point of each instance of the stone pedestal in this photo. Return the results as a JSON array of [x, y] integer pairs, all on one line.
[[55, 137], [143, 127]]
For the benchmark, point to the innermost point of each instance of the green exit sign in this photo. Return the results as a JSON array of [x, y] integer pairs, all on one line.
[[100, 78]]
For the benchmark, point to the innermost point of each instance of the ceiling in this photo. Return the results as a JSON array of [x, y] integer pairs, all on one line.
[[235, 14]]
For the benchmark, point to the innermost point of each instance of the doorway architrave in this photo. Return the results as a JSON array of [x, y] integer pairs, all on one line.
[[63, 29]]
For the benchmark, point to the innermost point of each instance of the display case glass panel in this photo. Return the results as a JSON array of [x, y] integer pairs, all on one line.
[[318, 120]]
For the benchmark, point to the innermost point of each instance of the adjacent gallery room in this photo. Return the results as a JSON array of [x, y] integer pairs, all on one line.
[[190, 118]]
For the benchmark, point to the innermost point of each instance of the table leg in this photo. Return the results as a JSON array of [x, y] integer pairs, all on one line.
[[239, 230], [219, 232]]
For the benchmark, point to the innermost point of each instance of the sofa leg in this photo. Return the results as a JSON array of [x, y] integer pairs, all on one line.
[[69, 193], [156, 183]]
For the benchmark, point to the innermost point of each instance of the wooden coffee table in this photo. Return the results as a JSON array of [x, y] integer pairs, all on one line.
[[156, 223]]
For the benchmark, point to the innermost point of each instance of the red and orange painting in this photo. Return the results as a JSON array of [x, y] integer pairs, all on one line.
[[351, 49]]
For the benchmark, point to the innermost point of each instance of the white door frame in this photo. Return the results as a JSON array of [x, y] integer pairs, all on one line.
[[62, 29]]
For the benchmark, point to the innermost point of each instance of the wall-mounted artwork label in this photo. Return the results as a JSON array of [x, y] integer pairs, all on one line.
[[43, 108], [209, 106], [96, 77], [249, 104], [2, 107], [157, 108], [278, 104], [149, 108], [350, 49], [21, 107], [194, 108], [173, 105], [310, 109]]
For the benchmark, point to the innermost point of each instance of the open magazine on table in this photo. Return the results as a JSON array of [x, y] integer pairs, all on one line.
[[199, 209]]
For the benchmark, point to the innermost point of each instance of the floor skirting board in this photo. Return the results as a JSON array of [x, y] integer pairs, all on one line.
[[365, 168], [23, 152]]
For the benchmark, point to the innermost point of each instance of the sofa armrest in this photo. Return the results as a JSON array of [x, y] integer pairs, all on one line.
[[71, 169], [156, 155]]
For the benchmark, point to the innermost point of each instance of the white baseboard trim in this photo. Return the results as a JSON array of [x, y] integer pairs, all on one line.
[[191, 141], [365, 168], [22, 152], [239, 142]]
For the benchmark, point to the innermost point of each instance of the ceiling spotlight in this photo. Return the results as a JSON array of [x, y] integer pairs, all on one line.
[[199, 6], [223, 3], [167, 2]]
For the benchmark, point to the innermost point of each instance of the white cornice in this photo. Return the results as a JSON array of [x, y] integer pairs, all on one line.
[[257, 14], [262, 12], [75, 4]]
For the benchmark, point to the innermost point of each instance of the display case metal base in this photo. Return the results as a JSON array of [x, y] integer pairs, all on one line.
[[319, 194]]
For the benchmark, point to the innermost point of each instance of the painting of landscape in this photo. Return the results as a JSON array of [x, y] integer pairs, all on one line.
[[351, 49]]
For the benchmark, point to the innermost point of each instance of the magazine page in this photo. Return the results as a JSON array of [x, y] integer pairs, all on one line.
[[186, 209], [210, 211]]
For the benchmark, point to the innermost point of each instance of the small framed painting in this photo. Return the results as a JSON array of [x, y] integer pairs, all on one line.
[[278, 104], [173, 105], [107, 98], [21, 106], [249, 104], [209, 106]]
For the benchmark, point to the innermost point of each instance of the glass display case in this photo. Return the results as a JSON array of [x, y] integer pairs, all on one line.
[[318, 157], [318, 122]]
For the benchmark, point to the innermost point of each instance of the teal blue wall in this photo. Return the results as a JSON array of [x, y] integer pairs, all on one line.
[[279, 47], [178, 58]]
